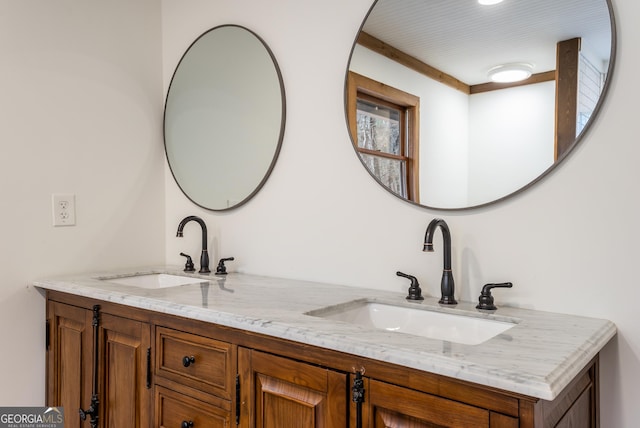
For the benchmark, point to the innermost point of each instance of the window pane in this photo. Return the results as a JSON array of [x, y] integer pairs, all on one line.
[[590, 85], [378, 127], [390, 172]]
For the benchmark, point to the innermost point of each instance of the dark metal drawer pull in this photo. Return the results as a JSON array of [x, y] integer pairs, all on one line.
[[187, 361]]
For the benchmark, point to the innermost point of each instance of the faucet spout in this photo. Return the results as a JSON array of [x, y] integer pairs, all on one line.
[[447, 286], [204, 255]]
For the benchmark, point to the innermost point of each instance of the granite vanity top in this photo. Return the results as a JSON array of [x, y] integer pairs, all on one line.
[[537, 357]]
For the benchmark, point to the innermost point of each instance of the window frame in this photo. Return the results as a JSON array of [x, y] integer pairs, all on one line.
[[359, 86]]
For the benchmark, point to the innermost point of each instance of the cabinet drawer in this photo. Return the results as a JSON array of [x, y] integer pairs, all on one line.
[[196, 361], [174, 409]]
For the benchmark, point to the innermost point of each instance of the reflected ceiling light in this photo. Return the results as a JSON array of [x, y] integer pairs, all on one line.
[[507, 73], [489, 2]]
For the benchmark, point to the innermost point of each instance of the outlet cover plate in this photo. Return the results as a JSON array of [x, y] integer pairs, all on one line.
[[64, 209]]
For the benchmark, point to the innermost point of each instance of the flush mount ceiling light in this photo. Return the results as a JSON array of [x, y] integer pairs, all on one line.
[[489, 2], [507, 73]]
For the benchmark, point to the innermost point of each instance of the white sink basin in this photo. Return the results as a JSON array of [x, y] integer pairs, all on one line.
[[420, 321], [153, 280]]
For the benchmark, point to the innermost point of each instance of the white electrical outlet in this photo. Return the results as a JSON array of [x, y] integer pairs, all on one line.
[[64, 209]]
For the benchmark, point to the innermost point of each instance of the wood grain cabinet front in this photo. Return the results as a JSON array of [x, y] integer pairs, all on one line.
[[279, 392], [176, 410], [125, 367], [97, 367], [69, 359], [196, 361], [394, 406]]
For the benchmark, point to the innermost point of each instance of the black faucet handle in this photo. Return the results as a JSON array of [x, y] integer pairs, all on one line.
[[485, 301], [222, 269], [188, 266], [415, 293]]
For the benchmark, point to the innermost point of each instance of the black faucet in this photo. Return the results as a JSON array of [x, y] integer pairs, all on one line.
[[204, 256], [447, 287]]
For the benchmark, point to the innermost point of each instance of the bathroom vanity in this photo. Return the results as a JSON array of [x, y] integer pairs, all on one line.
[[266, 352]]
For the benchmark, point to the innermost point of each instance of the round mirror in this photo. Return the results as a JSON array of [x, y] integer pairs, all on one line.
[[224, 117], [434, 119]]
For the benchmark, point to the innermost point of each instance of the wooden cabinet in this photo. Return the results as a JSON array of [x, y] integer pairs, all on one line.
[[125, 372], [393, 406], [69, 359], [195, 379], [199, 362], [175, 410], [157, 370], [113, 369], [277, 392], [387, 405]]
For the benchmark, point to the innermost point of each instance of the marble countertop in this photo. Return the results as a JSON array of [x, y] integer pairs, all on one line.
[[537, 357]]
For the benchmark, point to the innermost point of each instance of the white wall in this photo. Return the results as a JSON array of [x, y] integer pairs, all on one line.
[[569, 244], [511, 139], [81, 108]]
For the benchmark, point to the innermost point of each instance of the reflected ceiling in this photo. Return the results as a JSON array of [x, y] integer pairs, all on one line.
[[454, 36]]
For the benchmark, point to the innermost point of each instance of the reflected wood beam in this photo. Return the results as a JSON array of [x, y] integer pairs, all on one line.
[[368, 41], [546, 76], [376, 45], [567, 59]]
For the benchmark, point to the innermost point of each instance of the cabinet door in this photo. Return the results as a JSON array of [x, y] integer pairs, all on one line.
[[69, 360], [125, 398], [277, 392], [391, 406]]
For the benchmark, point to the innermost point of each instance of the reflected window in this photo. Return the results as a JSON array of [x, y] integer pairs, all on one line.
[[382, 142], [384, 126], [590, 85]]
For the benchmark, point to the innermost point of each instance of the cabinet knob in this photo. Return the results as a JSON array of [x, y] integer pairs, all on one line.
[[186, 424], [187, 361]]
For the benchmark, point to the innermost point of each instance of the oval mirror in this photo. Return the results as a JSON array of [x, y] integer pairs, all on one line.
[[224, 117], [429, 123]]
